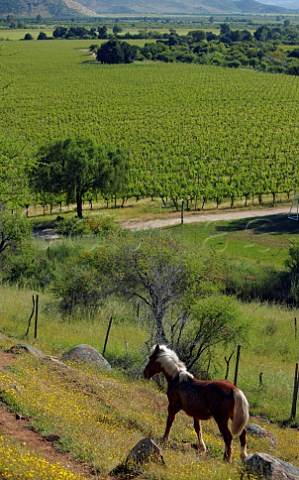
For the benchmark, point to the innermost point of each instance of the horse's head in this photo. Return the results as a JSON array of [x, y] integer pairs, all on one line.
[[153, 367]]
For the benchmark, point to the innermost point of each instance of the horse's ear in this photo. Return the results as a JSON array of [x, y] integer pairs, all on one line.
[[157, 349]]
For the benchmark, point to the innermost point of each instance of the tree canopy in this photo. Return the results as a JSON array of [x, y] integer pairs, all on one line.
[[115, 51], [73, 167]]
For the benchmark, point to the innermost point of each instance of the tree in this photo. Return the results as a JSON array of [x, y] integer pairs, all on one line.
[[59, 32], [115, 51], [117, 29], [14, 230], [102, 32], [212, 321], [72, 167], [158, 270], [42, 36]]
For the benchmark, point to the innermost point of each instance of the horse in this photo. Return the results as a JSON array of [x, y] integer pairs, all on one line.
[[200, 399]]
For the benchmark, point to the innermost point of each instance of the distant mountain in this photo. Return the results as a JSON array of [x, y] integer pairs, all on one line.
[[181, 6], [292, 4], [68, 8], [46, 8]]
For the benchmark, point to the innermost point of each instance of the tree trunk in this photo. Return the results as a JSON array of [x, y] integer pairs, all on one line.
[[79, 205], [159, 315]]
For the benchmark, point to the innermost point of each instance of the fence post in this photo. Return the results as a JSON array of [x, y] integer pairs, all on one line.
[[295, 393], [182, 213], [295, 325], [30, 318], [36, 316], [107, 336], [237, 365]]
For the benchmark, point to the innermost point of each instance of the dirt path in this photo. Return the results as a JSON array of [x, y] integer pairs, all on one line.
[[18, 429], [204, 217]]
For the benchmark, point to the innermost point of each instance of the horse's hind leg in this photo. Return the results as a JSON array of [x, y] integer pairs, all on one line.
[[201, 444], [227, 437], [243, 442]]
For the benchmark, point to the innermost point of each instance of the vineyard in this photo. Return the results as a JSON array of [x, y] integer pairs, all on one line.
[[192, 132]]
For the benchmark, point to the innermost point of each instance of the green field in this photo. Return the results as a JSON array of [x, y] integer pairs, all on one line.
[[185, 127]]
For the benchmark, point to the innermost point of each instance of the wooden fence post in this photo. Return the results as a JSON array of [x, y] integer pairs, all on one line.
[[36, 316], [30, 318], [295, 326], [182, 213], [295, 393], [227, 361], [107, 336], [237, 365]]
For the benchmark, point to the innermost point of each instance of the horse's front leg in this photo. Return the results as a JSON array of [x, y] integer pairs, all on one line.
[[171, 416], [201, 444]]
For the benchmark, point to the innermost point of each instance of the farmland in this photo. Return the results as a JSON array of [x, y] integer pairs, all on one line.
[[191, 131], [204, 134]]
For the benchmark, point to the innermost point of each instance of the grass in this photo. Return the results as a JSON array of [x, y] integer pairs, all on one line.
[[57, 334], [19, 463], [268, 343], [101, 416], [262, 242]]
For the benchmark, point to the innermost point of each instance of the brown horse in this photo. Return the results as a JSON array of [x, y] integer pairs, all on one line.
[[200, 399]]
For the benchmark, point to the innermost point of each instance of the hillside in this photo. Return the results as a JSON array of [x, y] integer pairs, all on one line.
[[180, 6], [46, 8], [68, 8]]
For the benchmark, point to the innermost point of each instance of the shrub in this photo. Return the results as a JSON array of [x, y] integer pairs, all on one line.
[[102, 225]]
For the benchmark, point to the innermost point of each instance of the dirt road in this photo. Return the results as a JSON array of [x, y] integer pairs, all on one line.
[[204, 217]]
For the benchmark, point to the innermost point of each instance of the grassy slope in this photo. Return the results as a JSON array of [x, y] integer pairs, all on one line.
[[101, 416], [268, 346]]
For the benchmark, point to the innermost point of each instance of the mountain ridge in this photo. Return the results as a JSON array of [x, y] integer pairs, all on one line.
[[93, 8]]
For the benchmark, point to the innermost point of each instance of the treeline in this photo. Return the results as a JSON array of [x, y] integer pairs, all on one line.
[[231, 48]]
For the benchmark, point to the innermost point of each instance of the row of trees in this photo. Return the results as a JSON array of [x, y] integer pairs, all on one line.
[[230, 48]]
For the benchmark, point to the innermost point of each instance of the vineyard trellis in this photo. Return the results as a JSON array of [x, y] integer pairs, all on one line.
[[194, 133]]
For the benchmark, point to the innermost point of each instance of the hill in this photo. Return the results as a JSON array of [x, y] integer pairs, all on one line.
[[68, 8], [181, 6], [47, 8]]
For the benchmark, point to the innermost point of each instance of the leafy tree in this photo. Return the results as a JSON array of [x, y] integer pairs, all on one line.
[[117, 29], [59, 32], [73, 167], [116, 51], [159, 270], [102, 32], [212, 321], [42, 36], [14, 230]]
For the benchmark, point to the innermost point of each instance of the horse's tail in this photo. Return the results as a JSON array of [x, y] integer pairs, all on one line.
[[241, 414]]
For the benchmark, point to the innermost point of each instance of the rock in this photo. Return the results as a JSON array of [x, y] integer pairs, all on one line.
[[52, 437], [23, 347], [20, 417], [57, 362], [268, 467], [262, 432], [86, 354], [144, 451]]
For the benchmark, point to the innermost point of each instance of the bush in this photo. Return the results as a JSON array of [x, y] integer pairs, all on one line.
[[213, 320], [101, 225]]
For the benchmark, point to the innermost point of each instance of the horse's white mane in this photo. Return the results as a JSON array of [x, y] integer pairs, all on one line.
[[171, 363]]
